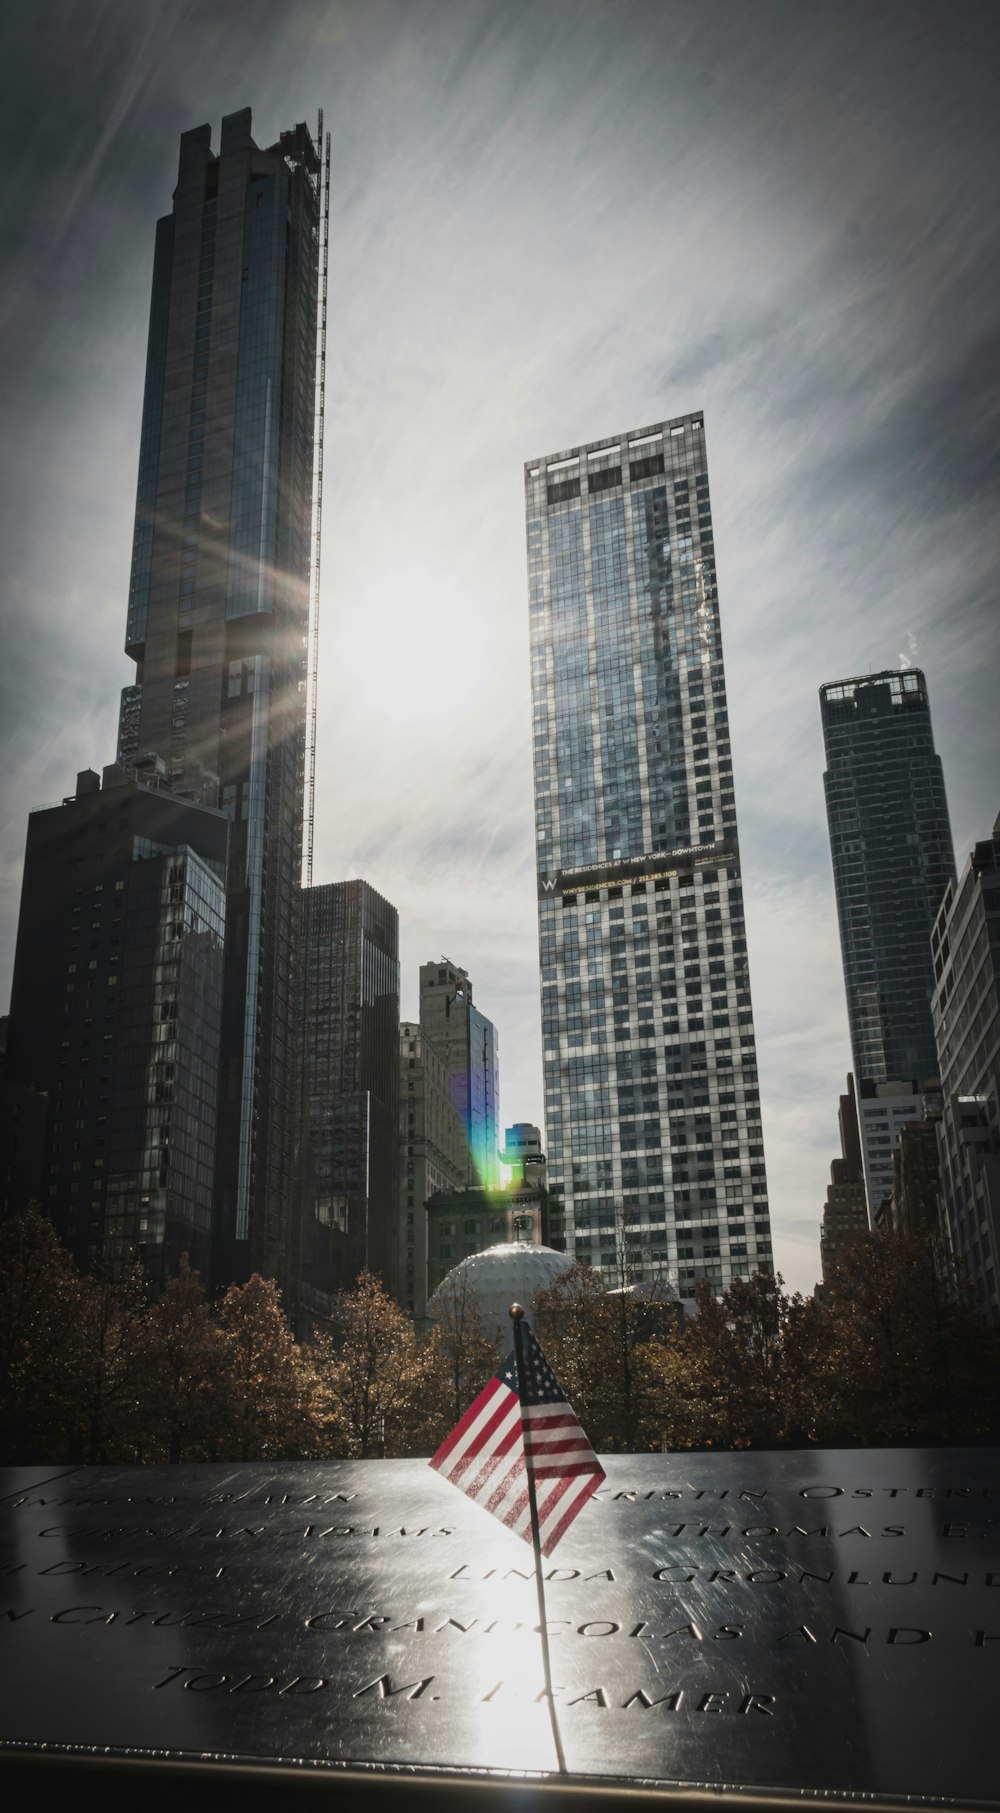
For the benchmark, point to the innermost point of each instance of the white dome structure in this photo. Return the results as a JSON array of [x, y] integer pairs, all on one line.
[[500, 1276]]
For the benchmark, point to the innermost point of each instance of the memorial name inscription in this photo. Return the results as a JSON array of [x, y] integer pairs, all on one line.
[[826, 1624]]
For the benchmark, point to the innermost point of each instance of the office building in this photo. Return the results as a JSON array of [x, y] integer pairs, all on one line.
[[522, 1154], [966, 1006], [892, 853], [467, 1044], [845, 1213], [115, 1022], [350, 1064], [218, 614], [651, 1094], [884, 1110], [462, 1222], [433, 1156], [916, 1178]]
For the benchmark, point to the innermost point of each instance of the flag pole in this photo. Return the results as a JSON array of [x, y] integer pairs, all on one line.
[[517, 1317]]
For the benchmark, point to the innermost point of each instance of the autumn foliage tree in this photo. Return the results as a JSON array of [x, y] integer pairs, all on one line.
[[179, 1409], [371, 1373], [459, 1359], [40, 1339], [92, 1371], [265, 1384]]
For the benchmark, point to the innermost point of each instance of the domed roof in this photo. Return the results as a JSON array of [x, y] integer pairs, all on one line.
[[500, 1276]]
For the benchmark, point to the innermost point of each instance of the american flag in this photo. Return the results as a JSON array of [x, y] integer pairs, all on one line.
[[484, 1456]]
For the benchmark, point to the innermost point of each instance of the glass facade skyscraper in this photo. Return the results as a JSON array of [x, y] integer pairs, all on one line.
[[350, 1057], [116, 1017], [652, 1105], [893, 858], [218, 614]]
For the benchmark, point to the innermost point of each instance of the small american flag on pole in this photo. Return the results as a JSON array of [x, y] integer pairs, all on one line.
[[484, 1456]]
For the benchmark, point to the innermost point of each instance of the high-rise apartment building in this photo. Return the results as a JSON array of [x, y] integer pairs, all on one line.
[[966, 1005], [466, 1041], [350, 1063], [652, 1107], [115, 1023], [433, 1156], [219, 607], [892, 860]]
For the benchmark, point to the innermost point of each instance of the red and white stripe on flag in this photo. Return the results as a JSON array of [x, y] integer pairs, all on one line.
[[484, 1457]]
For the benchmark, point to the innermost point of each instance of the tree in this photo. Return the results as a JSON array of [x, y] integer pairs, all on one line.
[[905, 1358], [178, 1414], [40, 1304], [459, 1358], [372, 1372], [594, 1338], [266, 1383], [112, 1358]]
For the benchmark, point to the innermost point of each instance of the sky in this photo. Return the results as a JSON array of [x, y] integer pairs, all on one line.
[[550, 222]]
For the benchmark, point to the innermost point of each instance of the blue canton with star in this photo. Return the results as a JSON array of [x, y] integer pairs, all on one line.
[[540, 1383]]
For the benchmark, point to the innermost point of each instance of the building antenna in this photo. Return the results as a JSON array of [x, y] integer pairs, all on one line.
[[323, 147]]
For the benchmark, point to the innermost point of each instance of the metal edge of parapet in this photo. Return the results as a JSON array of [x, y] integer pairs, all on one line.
[[206, 1779]]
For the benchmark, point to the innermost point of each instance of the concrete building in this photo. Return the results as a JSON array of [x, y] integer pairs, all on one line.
[[651, 1092], [884, 1109], [845, 1213], [522, 1154], [116, 1020], [916, 1178], [890, 842], [218, 615], [966, 952], [466, 1041], [350, 1063], [433, 1156]]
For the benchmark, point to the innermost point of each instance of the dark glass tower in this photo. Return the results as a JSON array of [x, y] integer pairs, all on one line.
[[218, 612], [115, 1024], [651, 1098], [351, 1089], [966, 1006], [892, 860]]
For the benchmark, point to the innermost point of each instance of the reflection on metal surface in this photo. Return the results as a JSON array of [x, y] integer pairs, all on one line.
[[762, 1625]]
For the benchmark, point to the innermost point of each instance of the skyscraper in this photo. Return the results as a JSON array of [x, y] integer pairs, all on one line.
[[890, 841], [845, 1216], [433, 1156], [651, 1097], [466, 1042], [218, 611], [116, 1012], [966, 1008], [350, 1059]]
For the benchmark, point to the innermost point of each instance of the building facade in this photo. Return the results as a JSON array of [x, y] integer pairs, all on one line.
[[966, 1007], [652, 1106], [218, 614], [884, 1110], [845, 1212], [433, 1156], [467, 1043], [462, 1222], [350, 1064], [916, 1179], [890, 841], [116, 1019]]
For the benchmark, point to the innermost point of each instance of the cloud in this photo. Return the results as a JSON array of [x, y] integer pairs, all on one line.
[[549, 224]]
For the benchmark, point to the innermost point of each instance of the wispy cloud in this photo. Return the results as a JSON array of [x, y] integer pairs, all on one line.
[[549, 223]]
